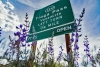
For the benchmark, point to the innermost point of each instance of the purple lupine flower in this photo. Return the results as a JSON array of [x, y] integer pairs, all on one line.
[[23, 45], [0, 31], [17, 27], [61, 48], [17, 34], [72, 39], [72, 35], [60, 54], [87, 52], [24, 30], [22, 33], [28, 44], [76, 47], [86, 45], [88, 55], [76, 64], [21, 25], [50, 48], [22, 39], [76, 40], [77, 35]]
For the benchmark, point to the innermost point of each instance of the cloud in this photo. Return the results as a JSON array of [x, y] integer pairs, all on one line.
[[37, 3], [8, 23], [91, 19], [8, 20], [10, 5]]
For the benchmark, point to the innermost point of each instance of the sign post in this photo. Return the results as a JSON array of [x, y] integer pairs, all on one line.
[[57, 17], [69, 51], [67, 39]]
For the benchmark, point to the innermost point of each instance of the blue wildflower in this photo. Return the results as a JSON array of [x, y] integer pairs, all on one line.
[[77, 35], [0, 31], [50, 48], [21, 25], [17, 27], [60, 54]]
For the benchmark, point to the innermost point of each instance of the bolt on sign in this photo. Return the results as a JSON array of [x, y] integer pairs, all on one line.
[[57, 18]]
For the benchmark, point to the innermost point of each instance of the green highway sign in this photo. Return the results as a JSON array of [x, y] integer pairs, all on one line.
[[56, 18]]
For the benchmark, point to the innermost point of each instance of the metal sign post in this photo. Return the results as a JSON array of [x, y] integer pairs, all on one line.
[[67, 39], [69, 51]]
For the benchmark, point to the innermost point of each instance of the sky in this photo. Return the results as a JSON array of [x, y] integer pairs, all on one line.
[[12, 13]]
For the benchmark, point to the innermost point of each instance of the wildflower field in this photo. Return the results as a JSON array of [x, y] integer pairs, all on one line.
[[18, 57], [28, 40]]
